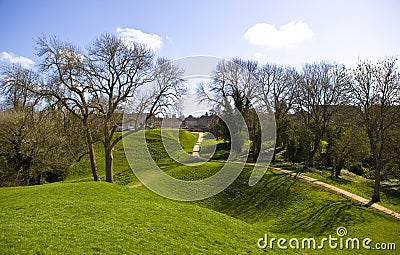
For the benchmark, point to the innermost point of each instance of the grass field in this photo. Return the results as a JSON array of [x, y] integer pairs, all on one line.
[[83, 217], [93, 218]]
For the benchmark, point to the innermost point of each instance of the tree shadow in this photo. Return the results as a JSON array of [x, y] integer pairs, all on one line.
[[286, 205], [340, 180], [392, 190], [251, 204], [324, 218]]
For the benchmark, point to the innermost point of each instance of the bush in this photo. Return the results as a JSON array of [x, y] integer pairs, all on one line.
[[391, 171], [35, 148], [357, 169], [369, 173]]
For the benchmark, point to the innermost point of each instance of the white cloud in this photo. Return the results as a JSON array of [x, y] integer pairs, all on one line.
[[12, 58], [286, 36], [153, 41]]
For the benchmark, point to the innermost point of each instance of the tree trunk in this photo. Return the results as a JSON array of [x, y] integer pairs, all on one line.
[[338, 171], [313, 152], [310, 158], [377, 168], [93, 164], [377, 185], [109, 163], [273, 157]]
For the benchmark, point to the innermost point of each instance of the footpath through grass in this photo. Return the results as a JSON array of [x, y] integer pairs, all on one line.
[[358, 185], [281, 204], [102, 218]]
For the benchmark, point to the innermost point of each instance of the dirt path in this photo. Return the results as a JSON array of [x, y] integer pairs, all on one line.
[[196, 148], [364, 201], [195, 153], [341, 192], [335, 189]]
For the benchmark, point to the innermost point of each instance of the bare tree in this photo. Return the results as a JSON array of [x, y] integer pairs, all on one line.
[[232, 92], [67, 83], [276, 90], [16, 86], [155, 97], [167, 89], [320, 91], [115, 71], [277, 85], [376, 91], [97, 85]]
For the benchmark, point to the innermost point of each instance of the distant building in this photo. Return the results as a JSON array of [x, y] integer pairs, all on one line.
[[131, 121], [201, 124], [168, 122], [135, 121]]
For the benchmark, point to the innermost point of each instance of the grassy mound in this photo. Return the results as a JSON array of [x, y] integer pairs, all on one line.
[[123, 175], [93, 218], [102, 218]]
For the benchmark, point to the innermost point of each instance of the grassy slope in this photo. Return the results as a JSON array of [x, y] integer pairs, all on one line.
[[103, 218], [90, 218], [80, 171], [288, 206], [357, 185]]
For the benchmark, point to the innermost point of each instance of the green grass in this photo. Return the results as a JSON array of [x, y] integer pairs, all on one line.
[[358, 185], [284, 205], [214, 149], [123, 175], [81, 171], [187, 140], [102, 218]]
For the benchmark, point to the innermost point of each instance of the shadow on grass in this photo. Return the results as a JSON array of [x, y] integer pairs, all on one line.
[[125, 177], [285, 205], [253, 204], [339, 180], [323, 218], [222, 151]]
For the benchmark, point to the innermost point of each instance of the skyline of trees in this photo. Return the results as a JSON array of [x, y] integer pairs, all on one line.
[[94, 85], [318, 111]]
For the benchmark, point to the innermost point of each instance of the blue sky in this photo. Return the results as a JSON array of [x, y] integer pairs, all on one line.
[[283, 32]]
